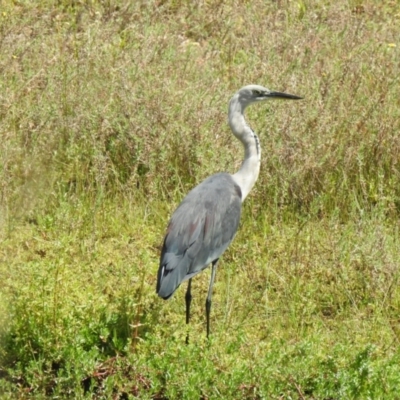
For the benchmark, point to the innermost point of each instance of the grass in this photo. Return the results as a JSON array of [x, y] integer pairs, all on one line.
[[110, 113]]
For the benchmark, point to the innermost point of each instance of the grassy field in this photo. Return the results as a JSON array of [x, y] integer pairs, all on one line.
[[110, 113]]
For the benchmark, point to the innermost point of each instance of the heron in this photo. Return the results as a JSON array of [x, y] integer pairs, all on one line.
[[206, 221]]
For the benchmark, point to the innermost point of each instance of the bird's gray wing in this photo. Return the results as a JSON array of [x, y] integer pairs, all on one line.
[[199, 231]]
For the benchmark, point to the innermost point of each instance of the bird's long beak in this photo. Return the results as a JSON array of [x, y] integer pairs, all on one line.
[[281, 95]]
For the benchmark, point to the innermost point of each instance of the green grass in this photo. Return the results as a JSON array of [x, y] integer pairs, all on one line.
[[110, 113]]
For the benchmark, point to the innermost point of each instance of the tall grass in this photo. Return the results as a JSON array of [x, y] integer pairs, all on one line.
[[111, 112]]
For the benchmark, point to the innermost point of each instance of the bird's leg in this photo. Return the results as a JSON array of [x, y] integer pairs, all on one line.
[[208, 300], [188, 299]]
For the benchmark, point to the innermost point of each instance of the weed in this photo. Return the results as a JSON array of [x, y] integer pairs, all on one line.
[[111, 112]]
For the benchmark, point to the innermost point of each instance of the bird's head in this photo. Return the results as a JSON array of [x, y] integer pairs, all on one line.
[[253, 93]]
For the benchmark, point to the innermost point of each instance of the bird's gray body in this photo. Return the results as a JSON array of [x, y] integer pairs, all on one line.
[[200, 230]]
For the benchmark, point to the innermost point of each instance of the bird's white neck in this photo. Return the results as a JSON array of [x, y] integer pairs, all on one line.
[[248, 173]]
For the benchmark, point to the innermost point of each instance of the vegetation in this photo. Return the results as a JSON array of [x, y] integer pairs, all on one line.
[[110, 112]]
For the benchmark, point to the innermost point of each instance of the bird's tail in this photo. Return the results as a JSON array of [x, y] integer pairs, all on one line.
[[171, 274]]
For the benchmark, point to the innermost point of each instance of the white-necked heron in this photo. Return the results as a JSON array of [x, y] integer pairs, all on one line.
[[205, 222]]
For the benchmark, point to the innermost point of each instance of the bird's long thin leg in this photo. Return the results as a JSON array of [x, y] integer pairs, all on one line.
[[208, 300], [188, 299]]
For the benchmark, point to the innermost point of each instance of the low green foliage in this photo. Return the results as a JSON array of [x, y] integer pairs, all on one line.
[[111, 112]]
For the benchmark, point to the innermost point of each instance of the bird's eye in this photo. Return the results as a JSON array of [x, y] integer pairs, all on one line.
[[256, 93]]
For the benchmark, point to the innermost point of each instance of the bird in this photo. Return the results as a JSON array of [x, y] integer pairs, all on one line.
[[207, 219]]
